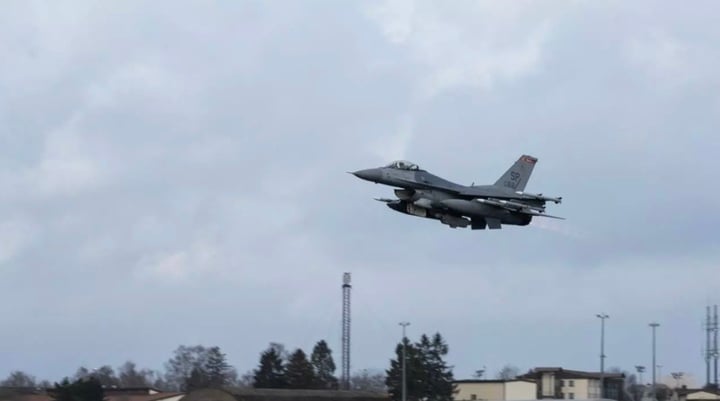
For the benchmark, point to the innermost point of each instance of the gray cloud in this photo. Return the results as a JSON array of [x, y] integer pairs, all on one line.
[[177, 175]]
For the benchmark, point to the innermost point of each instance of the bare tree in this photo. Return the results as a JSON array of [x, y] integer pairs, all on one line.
[[129, 376], [106, 376], [368, 380], [19, 379], [198, 366], [508, 372], [246, 380], [184, 361], [82, 373]]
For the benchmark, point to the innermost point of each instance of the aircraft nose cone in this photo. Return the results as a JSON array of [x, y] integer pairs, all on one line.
[[370, 174]]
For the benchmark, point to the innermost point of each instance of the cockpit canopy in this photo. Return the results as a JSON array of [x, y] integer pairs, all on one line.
[[403, 165]]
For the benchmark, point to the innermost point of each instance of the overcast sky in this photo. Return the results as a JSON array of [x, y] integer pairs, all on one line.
[[175, 173]]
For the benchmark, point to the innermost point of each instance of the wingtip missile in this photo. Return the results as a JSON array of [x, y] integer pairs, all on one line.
[[509, 204]]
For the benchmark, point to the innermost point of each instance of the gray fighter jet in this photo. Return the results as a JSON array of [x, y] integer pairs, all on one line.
[[420, 193]]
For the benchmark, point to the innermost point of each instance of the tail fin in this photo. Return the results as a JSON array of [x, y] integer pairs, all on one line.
[[517, 176]]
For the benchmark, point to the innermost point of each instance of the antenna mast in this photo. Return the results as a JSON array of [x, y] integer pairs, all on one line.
[[346, 331], [708, 345], [715, 350], [712, 352]]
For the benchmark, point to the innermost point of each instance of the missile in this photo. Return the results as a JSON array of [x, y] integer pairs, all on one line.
[[493, 202], [424, 203], [556, 200], [504, 203], [541, 197]]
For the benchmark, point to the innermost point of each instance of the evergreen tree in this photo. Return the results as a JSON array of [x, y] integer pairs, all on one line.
[[63, 391], [219, 373], [198, 379], [80, 390], [323, 366], [300, 372], [271, 372], [440, 375], [413, 373], [427, 375]]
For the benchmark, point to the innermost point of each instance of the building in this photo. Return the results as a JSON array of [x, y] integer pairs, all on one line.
[[494, 390], [111, 394], [559, 383], [140, 394], [705, 394], [252, 394]]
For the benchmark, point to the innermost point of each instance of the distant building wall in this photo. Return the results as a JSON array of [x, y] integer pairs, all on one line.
[[698, 395], [580, 388], [209, 395], [520, 390], [562, 383], [486, 391], [494, 390], [548, 385]]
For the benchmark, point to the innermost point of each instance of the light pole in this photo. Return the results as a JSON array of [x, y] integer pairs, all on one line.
[[677, 376], [404, 383], [640, 369], [654, 326], [640, 385], [602, 317]]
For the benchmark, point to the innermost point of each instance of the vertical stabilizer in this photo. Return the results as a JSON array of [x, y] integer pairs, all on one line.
[[518, 175]]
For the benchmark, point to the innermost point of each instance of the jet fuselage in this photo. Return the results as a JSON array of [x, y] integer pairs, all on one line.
[[420, 193]]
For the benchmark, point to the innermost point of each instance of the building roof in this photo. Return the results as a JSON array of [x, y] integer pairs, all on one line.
[[686, 391], [117, 397], [134, 390], [303, 392], [253, 394], [526, 380], [572, 374], [117, 394]]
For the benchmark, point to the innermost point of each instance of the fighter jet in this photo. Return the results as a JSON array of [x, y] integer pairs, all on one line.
[[422, 194]]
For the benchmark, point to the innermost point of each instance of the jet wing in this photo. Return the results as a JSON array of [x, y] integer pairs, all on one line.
[[517, 207], [491, 191]]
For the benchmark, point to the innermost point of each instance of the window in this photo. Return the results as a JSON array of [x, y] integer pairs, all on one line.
[[572, 396], [473, 396], [572, 383]]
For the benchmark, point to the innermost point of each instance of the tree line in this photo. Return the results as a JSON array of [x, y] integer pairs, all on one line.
[[193, 367]]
